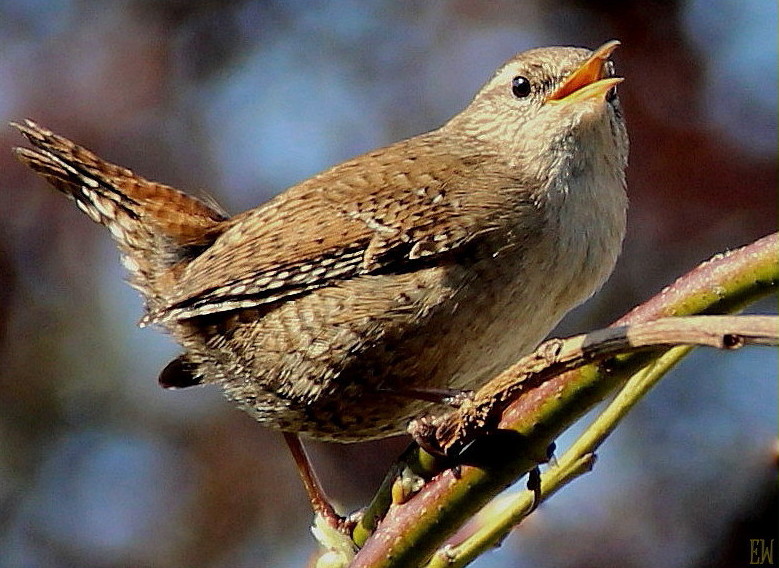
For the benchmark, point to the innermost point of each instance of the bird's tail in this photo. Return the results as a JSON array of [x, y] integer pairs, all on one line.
[[156, 227]]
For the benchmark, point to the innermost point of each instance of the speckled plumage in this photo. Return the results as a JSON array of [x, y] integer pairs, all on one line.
[[432, 263]]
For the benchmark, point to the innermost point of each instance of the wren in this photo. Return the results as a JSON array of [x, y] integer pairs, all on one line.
[[431, 264]]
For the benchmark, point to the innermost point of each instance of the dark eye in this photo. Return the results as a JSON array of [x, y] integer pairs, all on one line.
[[520, 86]]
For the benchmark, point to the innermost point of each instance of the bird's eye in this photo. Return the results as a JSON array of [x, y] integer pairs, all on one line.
[[520, 86]]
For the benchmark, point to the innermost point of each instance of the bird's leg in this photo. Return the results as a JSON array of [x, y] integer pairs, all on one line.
[[319, 501]]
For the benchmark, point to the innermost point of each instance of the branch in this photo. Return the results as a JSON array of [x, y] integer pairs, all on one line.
[[448, 434], [577, 460]]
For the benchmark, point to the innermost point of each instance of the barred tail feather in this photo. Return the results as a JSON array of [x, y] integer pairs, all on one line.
[[154, 225]]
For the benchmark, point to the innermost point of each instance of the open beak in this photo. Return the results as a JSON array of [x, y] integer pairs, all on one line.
[[590, 81]]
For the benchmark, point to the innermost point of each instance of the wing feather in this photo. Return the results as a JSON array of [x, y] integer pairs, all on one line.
[[381, 212]]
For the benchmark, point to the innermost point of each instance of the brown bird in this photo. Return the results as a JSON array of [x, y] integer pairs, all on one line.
[[340, 308]]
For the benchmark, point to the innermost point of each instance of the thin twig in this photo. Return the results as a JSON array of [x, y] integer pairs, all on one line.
[[450, 433]]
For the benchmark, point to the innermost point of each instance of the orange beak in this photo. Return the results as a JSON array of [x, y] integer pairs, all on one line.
[[589, 81]]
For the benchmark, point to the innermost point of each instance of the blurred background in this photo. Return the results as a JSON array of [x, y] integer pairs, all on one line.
[[238, 100]]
